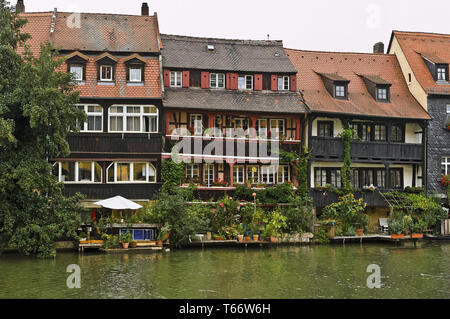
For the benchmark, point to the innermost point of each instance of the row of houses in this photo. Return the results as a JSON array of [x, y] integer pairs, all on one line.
[[144, 91]]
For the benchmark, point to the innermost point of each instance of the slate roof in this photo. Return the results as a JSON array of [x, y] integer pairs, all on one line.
[[360, 101], [435, 47], [228, 100], [228, 55]]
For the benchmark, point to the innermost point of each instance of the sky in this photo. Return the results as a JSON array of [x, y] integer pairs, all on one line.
[[325, 25]]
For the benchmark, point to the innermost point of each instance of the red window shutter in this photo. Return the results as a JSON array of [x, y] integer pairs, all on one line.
[[185, 79], [166, 78], [258, 82], [205, 80], [228, 81], [274, 82], [234, 81], [293, 84]]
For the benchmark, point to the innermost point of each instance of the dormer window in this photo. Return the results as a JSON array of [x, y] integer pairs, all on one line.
[[340, 91], [437, 66], [441, 73], [245, 82], [106, 73], [175, 78], [382, 93], [135, 73], [77, 71], [76, 64], [283, 83], [135, 69], [217, 80]]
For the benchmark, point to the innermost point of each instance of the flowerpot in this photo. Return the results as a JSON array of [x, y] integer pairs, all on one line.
[[255, 237], [125, 245], [159, 242], [248, 238], [240, 238], [416, 235], [360, 232], [219, 238], [273, 239], [397, 236], [133, 245]]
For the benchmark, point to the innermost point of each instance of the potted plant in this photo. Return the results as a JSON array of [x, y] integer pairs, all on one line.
[[125, 238], [417, 228], [397, 228], [274, 224], [240, 231], [83, 236], [133, 243], [163, 234], [255, 230], [407, 221]]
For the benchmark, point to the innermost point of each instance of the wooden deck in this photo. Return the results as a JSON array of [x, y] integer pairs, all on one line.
[[235, 243], [377, 237]]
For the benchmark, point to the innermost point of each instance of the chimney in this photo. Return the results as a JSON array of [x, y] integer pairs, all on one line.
[[20, 6], [145, 9], [378, 47]]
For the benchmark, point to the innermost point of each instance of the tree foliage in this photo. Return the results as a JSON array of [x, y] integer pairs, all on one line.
[[36, 111]]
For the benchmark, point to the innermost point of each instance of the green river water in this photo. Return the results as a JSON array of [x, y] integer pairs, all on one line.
[[329, 271]]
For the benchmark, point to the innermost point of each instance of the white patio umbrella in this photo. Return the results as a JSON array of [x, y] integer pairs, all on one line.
[[118, 202]]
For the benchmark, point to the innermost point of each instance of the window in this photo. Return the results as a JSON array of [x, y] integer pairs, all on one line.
[[131, 173], [325, 128], [135, 73], [277, 128], [283, 83], [448, 115], [192, 171], [175, 78], [94, 118], [217, 80], [245, 82], [208, 174], [106, 73], [379, 132], [78, 172], [327, 176], [196, 123], [396, 178], [284, 174], [140, 234], [445, 165], [239, 174], [339, 91], [261, 128], [241, 123], [373, 176], [397, 133], [126, 118], [365, 132], [382, 94], [77, 71], [441, 74], [355, 178], [268, 174], [253, 174]]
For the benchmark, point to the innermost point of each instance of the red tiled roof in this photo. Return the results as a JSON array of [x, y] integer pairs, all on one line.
[[38, 26], [106, 32], [435, 47], [350, 66]]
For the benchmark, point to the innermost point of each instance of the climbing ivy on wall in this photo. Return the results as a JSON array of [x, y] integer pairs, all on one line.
[[347, 135]]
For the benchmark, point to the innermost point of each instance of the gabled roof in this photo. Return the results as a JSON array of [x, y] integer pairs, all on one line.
[[226, 55], [376, 79], [434, 47], [333, 77], [229, 100], [377, 67], [106, 32], [38, 26]]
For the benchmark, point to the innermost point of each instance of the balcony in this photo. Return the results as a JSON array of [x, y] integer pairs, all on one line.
[[102, 191], [322, 198], [333, 148]]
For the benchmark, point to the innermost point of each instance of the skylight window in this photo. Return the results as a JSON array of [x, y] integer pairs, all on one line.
[[211, 47]]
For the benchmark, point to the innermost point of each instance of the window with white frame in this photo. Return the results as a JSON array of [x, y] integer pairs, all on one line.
[[135, 73], [217, 80], [131, 172], [441, 74], [445, 165], [94, 115], [268, 174], [196, 123], [277, 127], [283, 83], [245, 82], [106, 72], [77, 71], [78, 172], [261, 128], [382, 94], [192, 171], [131, 118], [176, 78], [239, 174], [284, 174], [241, 123], [339, 91], [208, 174], [253, 174]]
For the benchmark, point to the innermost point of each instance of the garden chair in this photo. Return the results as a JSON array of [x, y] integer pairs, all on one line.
[[384, 224]]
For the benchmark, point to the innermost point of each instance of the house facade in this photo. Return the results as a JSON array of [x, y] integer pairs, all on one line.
[[366, 93], [424, 60], [115, 61], [229, 105]]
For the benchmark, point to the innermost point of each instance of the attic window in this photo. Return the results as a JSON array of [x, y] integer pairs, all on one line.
[[382, 93], [441, 73], [211, 47], [340, 91]]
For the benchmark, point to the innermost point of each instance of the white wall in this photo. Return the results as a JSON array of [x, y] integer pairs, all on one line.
[[410, 133], [337, 125]]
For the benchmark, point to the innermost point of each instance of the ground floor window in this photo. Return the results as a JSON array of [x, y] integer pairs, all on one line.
[[253, 174], [192, 171], [445, 164], [284, 174], [327, 176], [208, 174], [129, 172], [78, 172], [140, 234], [239, 174], [268, 174]]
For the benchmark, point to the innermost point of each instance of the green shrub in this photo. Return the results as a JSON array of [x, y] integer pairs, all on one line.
[[243, 193], [298, 216]]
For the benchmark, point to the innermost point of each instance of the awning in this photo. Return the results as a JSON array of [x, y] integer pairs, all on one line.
[[118, 202]]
